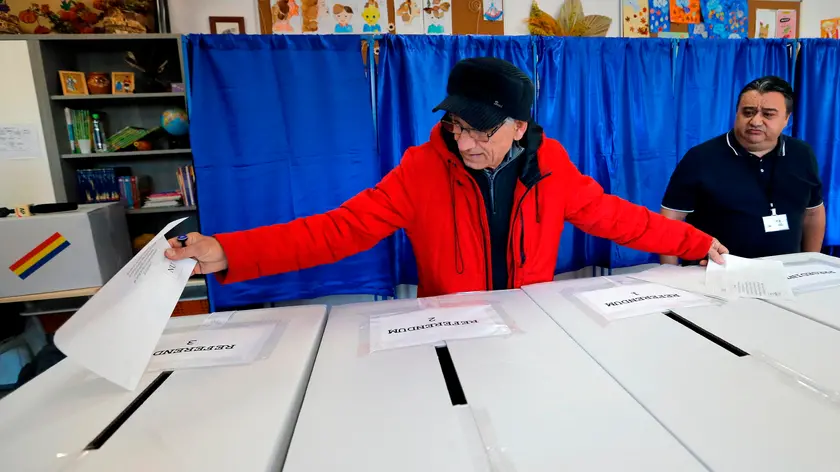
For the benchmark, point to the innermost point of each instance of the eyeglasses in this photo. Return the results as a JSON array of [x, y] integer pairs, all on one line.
[[457, 129]]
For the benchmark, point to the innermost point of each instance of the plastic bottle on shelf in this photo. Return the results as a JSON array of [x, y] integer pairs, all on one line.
[[99, 138]]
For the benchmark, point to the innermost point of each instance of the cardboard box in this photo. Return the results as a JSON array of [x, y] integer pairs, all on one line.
[[63, 251]]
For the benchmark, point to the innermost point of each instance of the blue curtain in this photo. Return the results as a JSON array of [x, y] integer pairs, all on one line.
[[609, 102], [817, 120], [282, 128], [412, 75], [709, 75]]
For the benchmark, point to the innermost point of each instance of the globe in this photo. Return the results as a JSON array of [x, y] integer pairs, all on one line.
[[175, 122]]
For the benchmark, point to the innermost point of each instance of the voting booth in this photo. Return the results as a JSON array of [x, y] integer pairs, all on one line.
[[225, 418], [696, 370], [515, 393]]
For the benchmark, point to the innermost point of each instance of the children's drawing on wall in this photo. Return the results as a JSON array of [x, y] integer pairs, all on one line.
[[786, 24], [437, 17], [660, 16], [765, 23], [409, 17], [685, 11], [343, 15], [315, 15], [635, 24], [283, 11], [725, 19], [371, 15], [492, 12]]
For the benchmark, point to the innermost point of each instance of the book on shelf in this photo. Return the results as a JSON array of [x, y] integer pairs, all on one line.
[[100, 185], [186, 182]]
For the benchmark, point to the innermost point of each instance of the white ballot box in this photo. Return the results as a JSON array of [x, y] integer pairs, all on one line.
[[226, 418], [815, 279], [528, 399], [732, 410]]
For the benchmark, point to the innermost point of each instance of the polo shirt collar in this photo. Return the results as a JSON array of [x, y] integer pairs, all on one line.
[[739, 150]]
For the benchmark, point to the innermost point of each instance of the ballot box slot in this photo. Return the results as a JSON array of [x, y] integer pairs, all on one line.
[[450, 376], [708, 335], [124, 415]]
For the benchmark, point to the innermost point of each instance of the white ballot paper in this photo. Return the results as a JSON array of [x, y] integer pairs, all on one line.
[[625, 301], [814, 275], [433, 325], [206, 347], [748, 278], [115, 332]]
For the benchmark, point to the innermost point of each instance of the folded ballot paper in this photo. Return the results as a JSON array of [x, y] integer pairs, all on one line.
[[116, 331], [736, 278]]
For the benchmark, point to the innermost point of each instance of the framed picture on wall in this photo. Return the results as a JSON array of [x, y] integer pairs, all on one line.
[[227, 25], [122, 82], [73, 83]]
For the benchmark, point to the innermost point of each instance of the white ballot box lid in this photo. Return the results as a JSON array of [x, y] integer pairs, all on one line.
[[237, 417], [731, 410], [531, 400], [816, 286]]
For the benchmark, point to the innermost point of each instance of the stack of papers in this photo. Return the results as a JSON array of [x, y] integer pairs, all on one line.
[[748, 278]]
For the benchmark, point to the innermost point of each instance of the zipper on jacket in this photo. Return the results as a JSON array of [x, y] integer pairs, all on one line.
[[482, 213], [518, 214], [491, 180]]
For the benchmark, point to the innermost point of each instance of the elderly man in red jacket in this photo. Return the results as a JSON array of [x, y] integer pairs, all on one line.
[[483, 203]]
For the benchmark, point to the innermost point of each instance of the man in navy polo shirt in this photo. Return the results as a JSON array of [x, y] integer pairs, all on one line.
[[755, 189]]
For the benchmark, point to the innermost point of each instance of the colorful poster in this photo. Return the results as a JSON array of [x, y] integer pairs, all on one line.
[[635, 24], [374, 18], [786, 24], [660, 16], [698, 31], [437, 17], [286, 14], [493, 10], [725, 19], [685, 11], [830, 28], [765, 23], [409, 17], [343, 15]]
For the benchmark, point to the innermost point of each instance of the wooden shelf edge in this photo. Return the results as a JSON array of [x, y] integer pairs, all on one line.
[[142, 211], [111, 96], [117, 154]]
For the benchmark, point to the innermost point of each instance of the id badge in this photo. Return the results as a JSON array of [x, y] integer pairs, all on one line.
[[775, 223]]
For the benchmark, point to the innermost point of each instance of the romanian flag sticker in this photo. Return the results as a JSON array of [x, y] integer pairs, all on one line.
[[36, 258]]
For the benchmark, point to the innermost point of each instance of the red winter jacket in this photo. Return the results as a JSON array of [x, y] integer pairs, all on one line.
[[431, 195]]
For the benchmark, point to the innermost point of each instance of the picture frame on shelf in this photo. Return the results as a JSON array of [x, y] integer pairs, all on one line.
[[227, 24], [73, 82], [122, 83]]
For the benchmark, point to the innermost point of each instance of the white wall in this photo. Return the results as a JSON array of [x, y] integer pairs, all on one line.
[[813, 11], [21, 180], [192, 16]]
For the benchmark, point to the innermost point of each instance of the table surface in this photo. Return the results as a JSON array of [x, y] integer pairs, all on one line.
[[536, 401], [734, 413], [819, 306], [211, 419], [78, 292]]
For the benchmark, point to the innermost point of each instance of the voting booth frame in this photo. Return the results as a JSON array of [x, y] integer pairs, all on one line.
[[557, 389], [404, 77]]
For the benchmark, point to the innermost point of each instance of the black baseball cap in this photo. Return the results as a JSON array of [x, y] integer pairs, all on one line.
[[484, 91]]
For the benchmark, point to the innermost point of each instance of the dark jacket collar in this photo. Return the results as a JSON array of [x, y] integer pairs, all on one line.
[[531, 142]]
